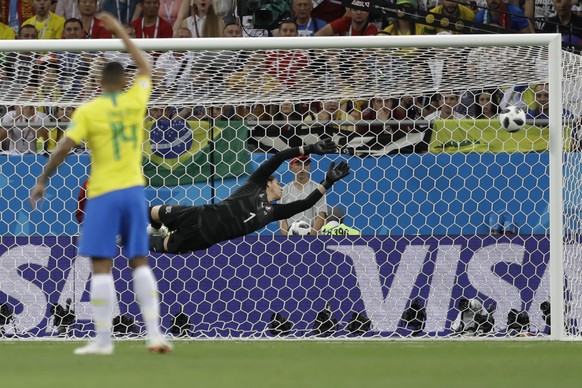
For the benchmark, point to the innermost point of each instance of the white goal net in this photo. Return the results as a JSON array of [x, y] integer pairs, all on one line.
[[453, 211]]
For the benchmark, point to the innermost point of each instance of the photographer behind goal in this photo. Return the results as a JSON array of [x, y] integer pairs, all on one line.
[[473, 317], [264, 15]]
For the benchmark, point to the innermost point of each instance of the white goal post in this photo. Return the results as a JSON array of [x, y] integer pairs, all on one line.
[[349, 71]]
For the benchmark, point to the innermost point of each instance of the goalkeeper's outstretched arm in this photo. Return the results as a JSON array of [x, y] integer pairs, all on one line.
[[334, 174], [112, 25], [268, 167]]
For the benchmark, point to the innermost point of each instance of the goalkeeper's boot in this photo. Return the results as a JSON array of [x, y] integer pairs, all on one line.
[[161, 232], [159, 345], [93, 348]]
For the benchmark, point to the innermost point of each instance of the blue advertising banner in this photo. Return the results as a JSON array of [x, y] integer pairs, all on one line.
[[416, 194], [233, 288]]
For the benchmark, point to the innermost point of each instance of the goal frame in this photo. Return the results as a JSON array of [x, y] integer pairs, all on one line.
[[552, 41]]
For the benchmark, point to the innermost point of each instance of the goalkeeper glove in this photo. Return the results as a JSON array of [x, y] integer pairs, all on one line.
[[322, 147], [335, 173]]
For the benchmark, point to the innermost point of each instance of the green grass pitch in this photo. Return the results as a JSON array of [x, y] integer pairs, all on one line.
[[296, 363]]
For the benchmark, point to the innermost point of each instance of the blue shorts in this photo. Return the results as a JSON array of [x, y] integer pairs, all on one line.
[[121, 212]]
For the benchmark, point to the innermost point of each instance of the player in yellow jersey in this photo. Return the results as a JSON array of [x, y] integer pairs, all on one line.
[[111, 126]]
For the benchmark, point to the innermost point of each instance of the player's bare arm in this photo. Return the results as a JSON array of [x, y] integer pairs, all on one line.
[[57, 157], [112, 25]]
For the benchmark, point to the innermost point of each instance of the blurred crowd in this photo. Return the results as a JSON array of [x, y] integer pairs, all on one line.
[[67, 76]]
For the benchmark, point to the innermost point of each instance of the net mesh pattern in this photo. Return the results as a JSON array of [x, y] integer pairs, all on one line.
[[266, 76], [450, 206]]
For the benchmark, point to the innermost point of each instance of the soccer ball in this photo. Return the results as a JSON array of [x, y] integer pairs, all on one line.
[[299, 228], [512, 118]]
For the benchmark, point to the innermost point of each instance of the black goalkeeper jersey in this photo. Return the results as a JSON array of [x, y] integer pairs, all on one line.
[[244, 211]]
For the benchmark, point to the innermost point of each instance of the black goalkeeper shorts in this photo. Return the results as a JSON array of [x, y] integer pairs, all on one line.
[[184, 226]]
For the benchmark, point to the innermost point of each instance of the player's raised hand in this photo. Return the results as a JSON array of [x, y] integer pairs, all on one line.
[[335, 173], [110, 23], [322, 147], [36, 193]]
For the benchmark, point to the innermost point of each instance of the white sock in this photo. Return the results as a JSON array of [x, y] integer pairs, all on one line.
[[146, 290], [102, 296]]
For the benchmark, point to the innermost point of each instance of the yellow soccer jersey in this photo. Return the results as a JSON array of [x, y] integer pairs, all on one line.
[[463, 12], [112, 127], [6, 32], [50, 28], [393, 30]]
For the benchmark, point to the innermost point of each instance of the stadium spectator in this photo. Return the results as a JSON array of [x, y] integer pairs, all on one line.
[[67, 9], [47, 67], [62, 115], [291, 113], [451, 8], [73, 29], [301, 187], [155, 113], [203, 22], [446, 110], [427, 104], [355, 25], [328, 10], [173, 69], [247, 210], [151, 25], [74, 66], [487, 104], [405, 109], [20, 128], [232, 29], [27, 31], [271, 70], [331, 110], [541, 106], [565, 22], [169, 10], [381, 110], [92, 25], [15, 12], [401, 26], [287, 66], [288, 28], [335, 223], [276, 137], [506, 16], [307, 25], [216, 113], [6, 32], [48, 24], [126, 11], [19, 68], [529, 8]]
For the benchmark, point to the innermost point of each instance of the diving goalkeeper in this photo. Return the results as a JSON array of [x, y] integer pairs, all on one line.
[[248, 209]]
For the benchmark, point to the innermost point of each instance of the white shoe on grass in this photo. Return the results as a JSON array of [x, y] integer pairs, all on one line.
[[93, 348], [159, 345]]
